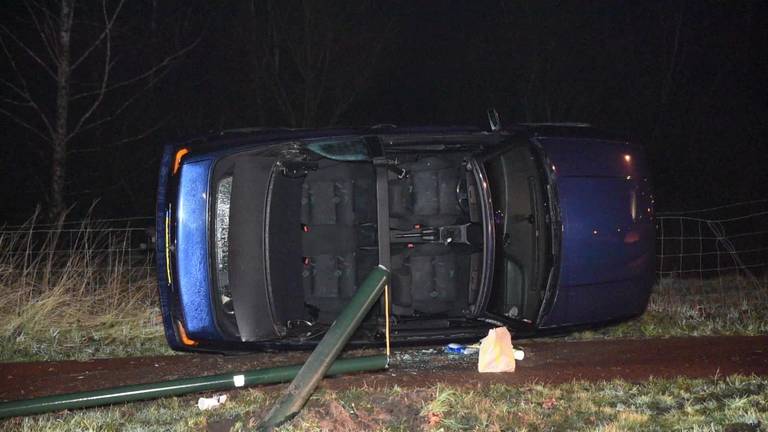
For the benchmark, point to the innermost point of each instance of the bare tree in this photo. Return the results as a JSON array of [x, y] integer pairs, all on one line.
[[315, 57], [49, 49]]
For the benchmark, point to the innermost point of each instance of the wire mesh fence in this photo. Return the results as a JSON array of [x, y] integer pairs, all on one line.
[[720, 251], [99, 251]]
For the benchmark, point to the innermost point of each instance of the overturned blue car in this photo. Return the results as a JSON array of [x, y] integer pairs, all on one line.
[[265, 234]]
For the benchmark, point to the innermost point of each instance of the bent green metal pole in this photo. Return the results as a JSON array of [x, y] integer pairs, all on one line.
[[178, 387], [327, 350]]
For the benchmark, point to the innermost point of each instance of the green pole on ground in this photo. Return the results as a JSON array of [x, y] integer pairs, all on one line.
[[178, 387], [327, 350]]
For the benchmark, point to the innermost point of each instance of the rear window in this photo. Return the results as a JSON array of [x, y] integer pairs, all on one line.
[[221, 242]]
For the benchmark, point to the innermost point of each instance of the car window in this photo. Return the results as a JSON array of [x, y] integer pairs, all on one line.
[[340, 149], [221, 230]]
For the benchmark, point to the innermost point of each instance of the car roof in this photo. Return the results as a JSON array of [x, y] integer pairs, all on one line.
[[571, 130], [235, 137]]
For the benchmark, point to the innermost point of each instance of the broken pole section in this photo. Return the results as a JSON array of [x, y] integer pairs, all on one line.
[[177, 387], [327, 350]]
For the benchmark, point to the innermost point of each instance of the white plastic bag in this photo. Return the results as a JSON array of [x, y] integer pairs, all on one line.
[[212, 402], [496, 352]]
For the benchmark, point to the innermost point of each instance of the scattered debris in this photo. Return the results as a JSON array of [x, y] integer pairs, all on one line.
[[496, 352], [434, 418], [211, 402], [519, 354], [549, 403], [455, 348]]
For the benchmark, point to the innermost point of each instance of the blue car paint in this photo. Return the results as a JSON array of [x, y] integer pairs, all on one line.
[[607, 249], [163, 284], [192, 269]]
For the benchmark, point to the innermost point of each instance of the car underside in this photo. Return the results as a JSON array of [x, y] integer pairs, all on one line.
[[327, 222]]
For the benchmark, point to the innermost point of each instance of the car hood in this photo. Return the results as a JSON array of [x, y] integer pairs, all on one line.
[[606, 211]]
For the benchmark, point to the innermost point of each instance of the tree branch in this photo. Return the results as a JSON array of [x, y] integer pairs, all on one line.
[[104, 79], [25, 125], [141, 135], [16, 102], [115, 113], [166, 62], [106, 33], [44, 33], [24, 92], [271, 52], [29, 52], [15, 89]]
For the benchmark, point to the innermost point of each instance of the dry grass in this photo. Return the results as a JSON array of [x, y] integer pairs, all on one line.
[[72, 293], [731, 305], [676, 404], [735, 403]]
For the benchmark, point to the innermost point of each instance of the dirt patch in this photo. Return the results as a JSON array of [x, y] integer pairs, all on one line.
[[545, 362], [335, 417], [349, 412]]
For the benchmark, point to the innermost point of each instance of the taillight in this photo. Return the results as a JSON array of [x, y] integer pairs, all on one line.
[[177, 159], [183, 336]]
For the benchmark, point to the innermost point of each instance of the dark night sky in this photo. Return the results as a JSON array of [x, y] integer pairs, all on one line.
[[685, 78]]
